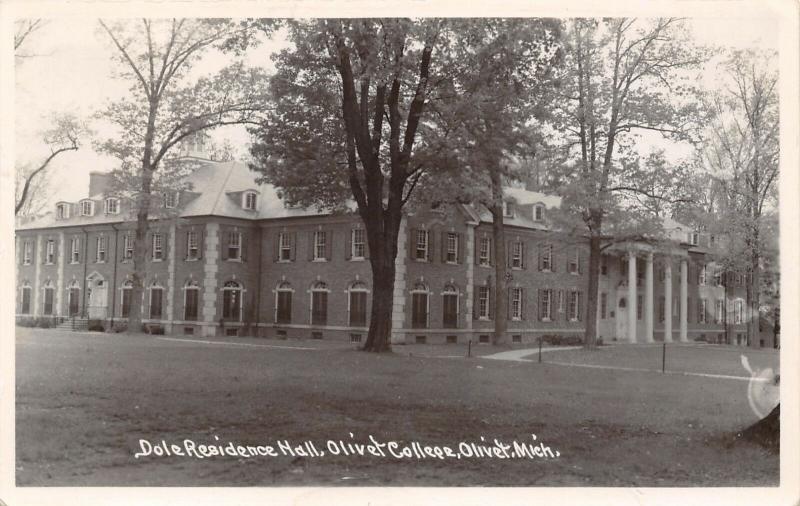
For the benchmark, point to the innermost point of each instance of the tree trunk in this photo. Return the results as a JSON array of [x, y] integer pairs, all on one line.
[[753, 282], [500, 262], [382, 239], [595, 253], [140, 253], [767, 431]]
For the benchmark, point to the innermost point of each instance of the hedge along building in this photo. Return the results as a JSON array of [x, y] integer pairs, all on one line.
[[236, 261]]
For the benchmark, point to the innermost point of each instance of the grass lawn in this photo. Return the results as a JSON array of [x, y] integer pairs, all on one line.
[[85, 400]]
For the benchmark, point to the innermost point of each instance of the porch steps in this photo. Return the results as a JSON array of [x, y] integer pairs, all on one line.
[[76, 324]]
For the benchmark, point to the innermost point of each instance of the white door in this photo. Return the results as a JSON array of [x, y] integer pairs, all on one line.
[[98, 302], [622, 319]]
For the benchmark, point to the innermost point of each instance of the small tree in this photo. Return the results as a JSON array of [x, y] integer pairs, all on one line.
[[166, 106]]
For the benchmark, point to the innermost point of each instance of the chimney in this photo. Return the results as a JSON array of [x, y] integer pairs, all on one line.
[[99, 183]]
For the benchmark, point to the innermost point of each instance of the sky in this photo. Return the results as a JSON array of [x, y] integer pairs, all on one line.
[[71, 71]]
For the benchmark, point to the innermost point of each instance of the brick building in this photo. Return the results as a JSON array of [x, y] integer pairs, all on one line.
[[234, 260]]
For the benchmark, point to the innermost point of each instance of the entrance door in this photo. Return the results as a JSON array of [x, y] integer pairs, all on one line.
[[74, 300], [622, 319], [98, 300]]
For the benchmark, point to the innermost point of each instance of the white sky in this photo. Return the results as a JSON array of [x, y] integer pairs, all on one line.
[[73, 68]]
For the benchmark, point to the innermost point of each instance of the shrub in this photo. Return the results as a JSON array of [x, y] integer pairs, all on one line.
[[45, 322], [563, 340], [26, 321], [120, 327], [157, 330], [96, 326], [700, 339]]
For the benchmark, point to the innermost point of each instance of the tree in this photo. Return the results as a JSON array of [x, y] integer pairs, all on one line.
[[369, 110], [621, 76], [23, 29], [62, 137], [743, 154], [166, 106]]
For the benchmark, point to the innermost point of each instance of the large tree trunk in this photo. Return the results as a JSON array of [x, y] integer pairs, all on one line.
[[500, 262], [767, 431], [753, 291], [595, 253], [382, 239], [140, 253]]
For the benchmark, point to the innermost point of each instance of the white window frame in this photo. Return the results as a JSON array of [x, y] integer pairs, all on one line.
[[192, 245], [250, 201], [357, 287], [703, 277], [508, 212], [235, 242], [538, 212], [75, 250], [26, 286], [87, 208], [155, 286], [158, 247], [191, 285], [547, 299], [573, 309], [703, 306], [738, 312], [358, 244], [516, 255], [547, 258], [127, 247], [283, 286], [694, 238], [112, 205], [284, 246], [452, 248], [171, 199], [484, 252], [50, 252], [100, 242], [719, 311], [516, 303], [422, 244], [483, 302], [318, 287], [228, 286], [320, 246], [575, 263], [62, 211]]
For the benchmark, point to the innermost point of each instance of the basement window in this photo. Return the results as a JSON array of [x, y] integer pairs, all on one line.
[[452, 339], [483, 339], [355, 338], [516, 338], [420, 339]]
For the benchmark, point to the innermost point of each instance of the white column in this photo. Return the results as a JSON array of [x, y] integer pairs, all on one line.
[[648, 299], [399, 297], [632, 296], [684, 300], [668, 301]]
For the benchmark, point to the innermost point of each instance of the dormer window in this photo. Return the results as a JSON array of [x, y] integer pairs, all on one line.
[[170, 200], [62, 211], [508, 212], [250, 200], [87, 208], [694, 238], [538, 212], [112, 206]]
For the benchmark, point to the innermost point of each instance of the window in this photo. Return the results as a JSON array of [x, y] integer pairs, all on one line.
[[127, 247], [573, 306], [283, 306], [27, 252], [538, 212], [170, 199], [702, 275], [718, 311], [712, 240], [358, 244], [738, 311], [452, 248], [561, 301], [603, 305], [717, 277], [639, 307], [517, 256], [508, 211], [49, 292], [484, 253], [26, 299], [662, 308], [87, 208], [483, 302], [112, 206], [62, 211], [75, 254], [421, 250], [419, 306], [694, 238], [50, 252], [358, 304], [232, 301], [250, 201], [450, 307], [516, 303], [319, 304], [100, 257], [284, 247], [156, 299], [158, 247], [234, 245], [126, 298], [574, 262], [545, 305], [546, 258], [320, 245], [701, 311], [191, 299], [192, 246]]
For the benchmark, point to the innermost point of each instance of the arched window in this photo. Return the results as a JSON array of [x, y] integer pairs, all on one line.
[[449, 307], [126, 288], [232, 301], [191, 298], [419, 306], [283, 303], [357, 304], [49, 296], [156, 301], [74, 296], [319, 303], [26, 298]]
